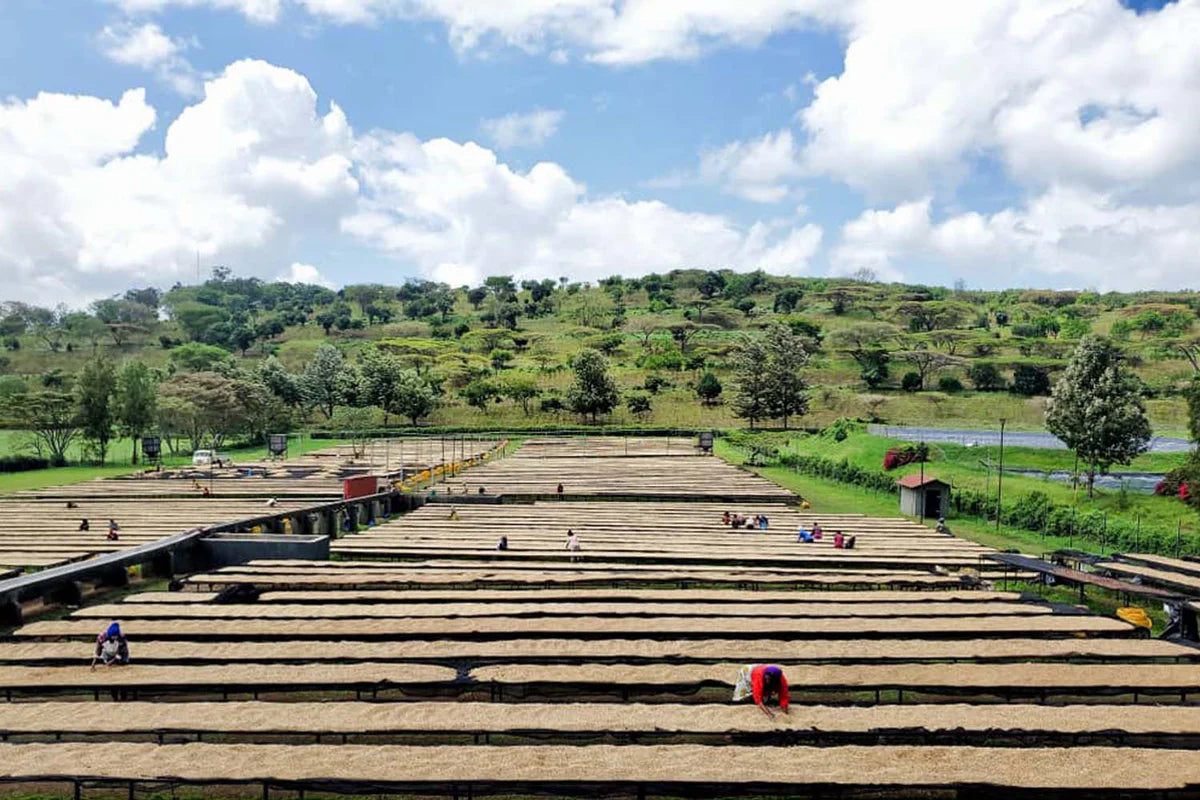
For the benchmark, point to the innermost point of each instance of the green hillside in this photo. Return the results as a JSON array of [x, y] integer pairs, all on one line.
[[500, 354]]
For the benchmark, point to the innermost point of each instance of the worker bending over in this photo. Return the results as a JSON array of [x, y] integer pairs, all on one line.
[[763, 682]]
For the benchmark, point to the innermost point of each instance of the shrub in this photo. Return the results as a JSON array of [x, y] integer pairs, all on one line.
[[949, 384], [899, 456], [709, 388], [1030, 381], [842, 428], [22, 463], [911, 382], [654, 383], [985, 377]]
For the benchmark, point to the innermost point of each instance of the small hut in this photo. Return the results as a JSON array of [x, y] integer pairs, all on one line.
[[928, 497]]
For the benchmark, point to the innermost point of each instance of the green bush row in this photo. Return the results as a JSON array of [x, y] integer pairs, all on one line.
[[1034, 512]]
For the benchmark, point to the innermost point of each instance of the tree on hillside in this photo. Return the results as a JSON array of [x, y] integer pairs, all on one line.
[[787, 392], [1030, 381], [415, 398], [521, 390], [356, 422], [927, 363], [786, 300], [136, 401], [94, 389], [1096, 408], [325, 382], [593, 391], [381, 377], [866, 344], [280, 382], [479, 393], [204, 406], [1187, 347], [708, 388], [640, 405], [80, 327], [985, 376], [1192, 395], [644, 326], [51, 417], [476, 296], [592, 308], [751, 400], [684, 332], [197, 357]]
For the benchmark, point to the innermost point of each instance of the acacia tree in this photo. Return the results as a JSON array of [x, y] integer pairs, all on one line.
[[52, 419], [520, 389], [864, 343], [593, 391], [787, 392], [1096, 408], [750, 401], [927, 363], [136, 402]]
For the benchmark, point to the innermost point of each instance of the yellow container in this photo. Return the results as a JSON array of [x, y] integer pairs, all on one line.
[[1135, 616]]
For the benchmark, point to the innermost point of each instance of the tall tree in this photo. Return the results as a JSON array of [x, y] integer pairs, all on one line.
[[325, 381], [137, 402], [787, 392], [1192, 394], [1096, 408], [415, 398], [280, 382], [94, 389], [751, 384], [381, 376], [593, 391]]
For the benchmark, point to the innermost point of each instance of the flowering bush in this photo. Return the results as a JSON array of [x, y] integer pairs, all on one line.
[[899, 456]]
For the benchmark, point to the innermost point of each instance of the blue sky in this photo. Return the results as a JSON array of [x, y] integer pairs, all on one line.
[[741, 140]]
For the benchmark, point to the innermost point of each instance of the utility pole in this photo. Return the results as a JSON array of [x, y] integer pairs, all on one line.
[[1000, 475], [924, 496]]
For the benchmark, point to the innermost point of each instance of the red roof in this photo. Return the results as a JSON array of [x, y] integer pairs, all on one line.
[[915, 482]]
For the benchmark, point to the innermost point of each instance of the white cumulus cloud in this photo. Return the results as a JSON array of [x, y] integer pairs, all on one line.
[[87, 214], [1059, 91], [261, 11], [305, 273], [254, 167], [460, 214], [1073, 236], [147, 47], [758, 170], [530, 129]]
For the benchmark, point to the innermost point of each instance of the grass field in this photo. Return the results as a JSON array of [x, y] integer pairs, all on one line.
[[59, 476], [967, 467], [866, 450]]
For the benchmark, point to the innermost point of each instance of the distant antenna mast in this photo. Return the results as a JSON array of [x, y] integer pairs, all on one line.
[[197, 266]]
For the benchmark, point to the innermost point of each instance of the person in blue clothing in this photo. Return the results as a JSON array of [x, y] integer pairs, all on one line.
[[112, 650]]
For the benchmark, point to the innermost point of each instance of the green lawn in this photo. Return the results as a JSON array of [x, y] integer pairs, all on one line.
[[838, 498], [60, 476], [966, 467]]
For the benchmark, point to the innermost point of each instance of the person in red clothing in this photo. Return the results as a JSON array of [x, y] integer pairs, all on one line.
[[762, 682]]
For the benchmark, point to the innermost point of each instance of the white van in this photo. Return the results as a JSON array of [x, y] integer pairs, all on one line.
[[206, 458]]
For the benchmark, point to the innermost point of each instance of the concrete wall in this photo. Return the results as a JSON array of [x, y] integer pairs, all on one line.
[[229, 549]]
